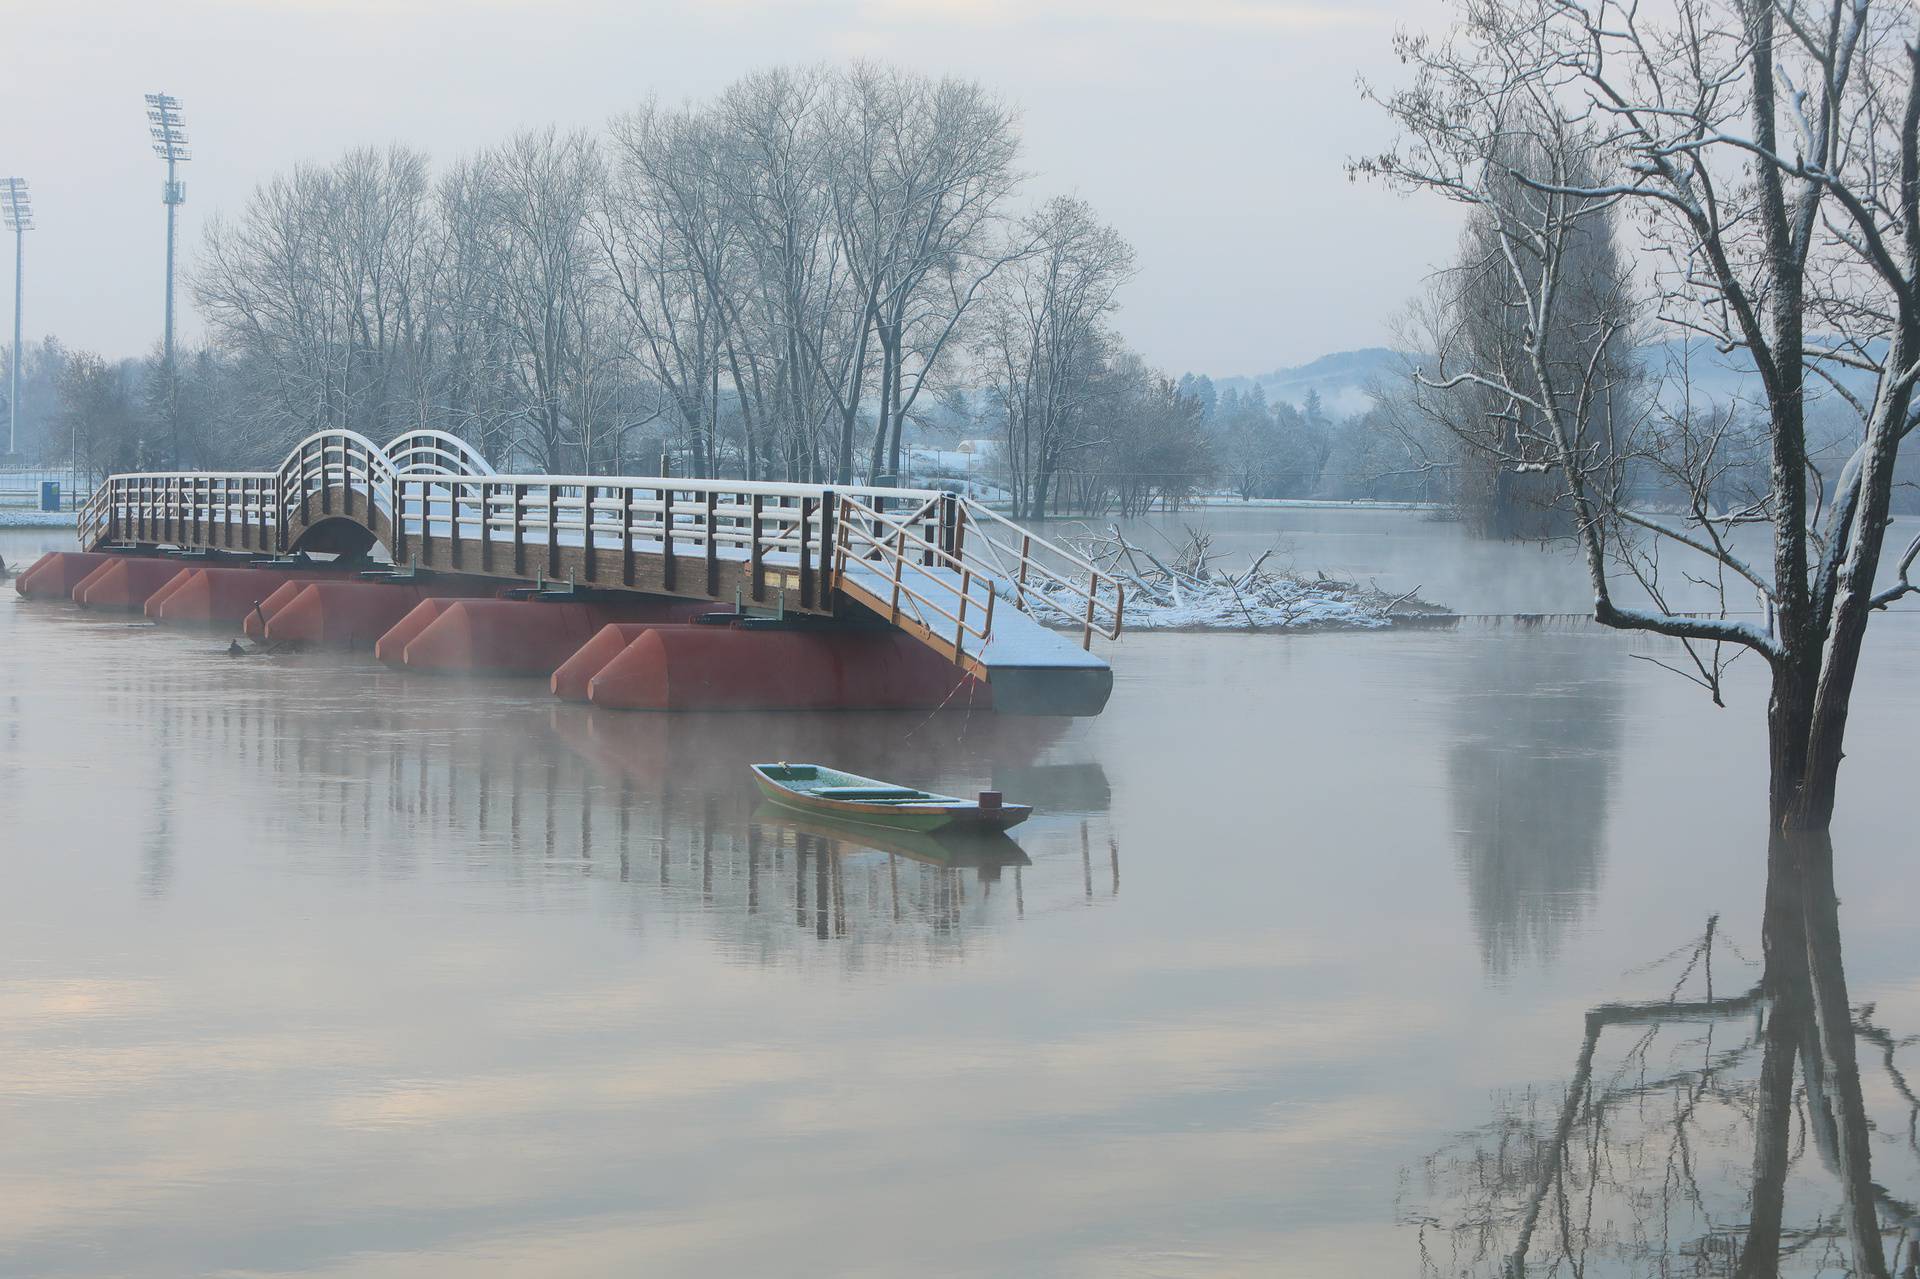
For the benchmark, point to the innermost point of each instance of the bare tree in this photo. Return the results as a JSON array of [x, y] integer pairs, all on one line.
[[780, 164], [468, 391], [321, 287], [669, 227], [939, 176], [1475, 316], [1043, 340], [98, 418], [775, 272], [543, 185], [1768, 151]]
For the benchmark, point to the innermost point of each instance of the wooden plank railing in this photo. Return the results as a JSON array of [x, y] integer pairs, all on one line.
[[977, 547], [927, 589]]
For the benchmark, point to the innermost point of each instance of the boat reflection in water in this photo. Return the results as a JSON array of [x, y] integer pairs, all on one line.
[[1716, 1130], [985, 851], [869, 859]]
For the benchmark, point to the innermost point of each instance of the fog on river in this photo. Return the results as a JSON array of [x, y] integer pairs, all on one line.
[[311, 967]]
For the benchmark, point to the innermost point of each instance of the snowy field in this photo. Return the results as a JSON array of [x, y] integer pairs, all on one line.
[[22, 517]]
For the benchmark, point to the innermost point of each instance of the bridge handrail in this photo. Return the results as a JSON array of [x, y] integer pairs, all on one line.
[[859, 523], [678, 484], [1028, 565], [336, 441], [189, 475], [95, 519], [429, 451], [1099, 604], [201, 498]]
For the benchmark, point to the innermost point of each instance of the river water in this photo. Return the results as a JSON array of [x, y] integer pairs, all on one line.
[[308, 967]]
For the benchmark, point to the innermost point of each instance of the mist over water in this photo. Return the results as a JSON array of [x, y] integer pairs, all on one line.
[[310, 967]]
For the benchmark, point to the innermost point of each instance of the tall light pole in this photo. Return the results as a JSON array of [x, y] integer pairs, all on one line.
[[17, 207], [169, 130]]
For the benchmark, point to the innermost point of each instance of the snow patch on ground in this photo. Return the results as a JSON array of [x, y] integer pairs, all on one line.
[[37, 519]]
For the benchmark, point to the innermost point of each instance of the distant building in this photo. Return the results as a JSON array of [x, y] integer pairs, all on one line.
[[981, 449]]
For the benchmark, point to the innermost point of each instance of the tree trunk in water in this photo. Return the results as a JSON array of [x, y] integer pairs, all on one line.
[[1037, 496], [1809, 1019], [1832, 1042], [1801, 782], [1783, 942]]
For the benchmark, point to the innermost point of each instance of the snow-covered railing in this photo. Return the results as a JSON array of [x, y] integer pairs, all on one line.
[[914, 581], [950, 578], [427, 452], [1042, 572], [238, 509]]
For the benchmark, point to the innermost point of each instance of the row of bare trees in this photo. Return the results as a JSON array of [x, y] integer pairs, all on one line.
[[775, 282]]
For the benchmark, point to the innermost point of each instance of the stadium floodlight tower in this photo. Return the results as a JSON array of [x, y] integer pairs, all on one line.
[[16, 206], [169, 130]]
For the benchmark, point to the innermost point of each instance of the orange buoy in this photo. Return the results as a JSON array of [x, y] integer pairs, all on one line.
[[713, 668], [570, 681], [55, 574], [152, 607], [255, 624], [341, 614], [505, 637], [125, 582], [391, 647], [218, 596]]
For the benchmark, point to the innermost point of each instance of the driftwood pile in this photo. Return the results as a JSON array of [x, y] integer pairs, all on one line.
[[1192, 589]]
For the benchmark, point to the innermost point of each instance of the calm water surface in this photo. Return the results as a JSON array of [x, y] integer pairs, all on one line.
[[308, 967]]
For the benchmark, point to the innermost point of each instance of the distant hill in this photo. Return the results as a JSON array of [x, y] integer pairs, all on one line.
[[1714, 377], [1341, 379]]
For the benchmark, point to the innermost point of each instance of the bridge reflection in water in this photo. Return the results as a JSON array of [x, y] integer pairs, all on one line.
[[1732, 1126], [477, 786]]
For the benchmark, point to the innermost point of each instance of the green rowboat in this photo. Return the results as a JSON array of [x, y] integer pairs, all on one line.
[[849, 797]]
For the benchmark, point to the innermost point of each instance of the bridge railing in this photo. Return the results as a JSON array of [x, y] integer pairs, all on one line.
[[1045, 577], [327, 462], [947, 582], [231, 508], [435, 452], [762, 525]]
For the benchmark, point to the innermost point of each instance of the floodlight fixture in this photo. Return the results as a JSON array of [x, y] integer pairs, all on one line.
[[167, 126]]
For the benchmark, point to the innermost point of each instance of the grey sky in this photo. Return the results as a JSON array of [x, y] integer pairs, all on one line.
[[1212, 133]]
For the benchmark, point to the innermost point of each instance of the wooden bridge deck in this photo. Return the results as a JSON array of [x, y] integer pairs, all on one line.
[[960, 578]]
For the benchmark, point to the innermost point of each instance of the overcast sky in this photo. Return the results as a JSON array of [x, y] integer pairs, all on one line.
[[1212, 133]]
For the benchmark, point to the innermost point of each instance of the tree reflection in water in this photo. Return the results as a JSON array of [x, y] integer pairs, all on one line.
[[1710, 1132], [1535, 735]]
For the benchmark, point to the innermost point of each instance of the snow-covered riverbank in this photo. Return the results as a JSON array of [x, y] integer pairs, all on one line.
[[20, 517]]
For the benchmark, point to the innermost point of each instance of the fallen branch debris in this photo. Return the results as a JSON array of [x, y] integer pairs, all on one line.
[[1195, 592]]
